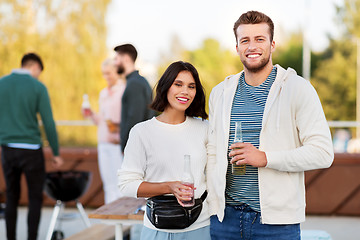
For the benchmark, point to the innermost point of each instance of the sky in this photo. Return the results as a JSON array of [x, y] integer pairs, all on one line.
[[151, 25]]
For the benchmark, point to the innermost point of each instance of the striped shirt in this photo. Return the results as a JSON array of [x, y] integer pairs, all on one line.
[[248, 107]]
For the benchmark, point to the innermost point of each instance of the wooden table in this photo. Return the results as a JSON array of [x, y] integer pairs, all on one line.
[[119, 212]]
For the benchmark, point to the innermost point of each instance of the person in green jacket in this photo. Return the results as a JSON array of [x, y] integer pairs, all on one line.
[[22, 97]]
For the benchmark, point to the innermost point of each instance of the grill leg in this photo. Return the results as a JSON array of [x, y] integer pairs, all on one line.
[[83, 214], [54, 217]]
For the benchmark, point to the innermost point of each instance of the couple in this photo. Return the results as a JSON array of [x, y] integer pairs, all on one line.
[[284, 130]]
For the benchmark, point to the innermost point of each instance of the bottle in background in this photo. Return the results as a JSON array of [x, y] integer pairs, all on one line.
[[188, 180], [85, 106], [238, 169]]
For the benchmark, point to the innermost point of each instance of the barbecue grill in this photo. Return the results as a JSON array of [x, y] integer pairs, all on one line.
[[64, 187]]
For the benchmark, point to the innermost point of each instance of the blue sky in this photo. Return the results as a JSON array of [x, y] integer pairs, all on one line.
[[150, 25]]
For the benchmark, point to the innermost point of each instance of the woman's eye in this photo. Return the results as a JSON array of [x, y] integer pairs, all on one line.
[[192, 87], [178, 84]]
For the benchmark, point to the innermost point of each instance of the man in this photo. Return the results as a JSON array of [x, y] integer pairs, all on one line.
[[22, 96], [284, 134], [137, 95]]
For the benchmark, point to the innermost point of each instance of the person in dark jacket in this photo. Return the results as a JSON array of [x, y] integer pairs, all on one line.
[[137, 95]]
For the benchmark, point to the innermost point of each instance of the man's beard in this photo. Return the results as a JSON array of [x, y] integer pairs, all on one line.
[[120, 69], [256, 68]]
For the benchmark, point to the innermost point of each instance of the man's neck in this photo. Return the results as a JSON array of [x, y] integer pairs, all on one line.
[[257, 78], [129, 70]]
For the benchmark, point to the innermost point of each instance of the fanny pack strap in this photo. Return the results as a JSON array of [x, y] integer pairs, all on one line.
[[203, 196]]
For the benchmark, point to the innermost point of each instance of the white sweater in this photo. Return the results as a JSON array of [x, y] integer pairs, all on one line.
[[155, 153], [295, 138]]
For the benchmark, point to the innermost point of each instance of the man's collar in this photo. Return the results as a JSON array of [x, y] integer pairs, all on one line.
[[135, 72], [21, 71]]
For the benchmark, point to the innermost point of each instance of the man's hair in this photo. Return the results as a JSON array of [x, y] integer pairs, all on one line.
[[127, 49], [254, 17], [30, 58], [197, 107]]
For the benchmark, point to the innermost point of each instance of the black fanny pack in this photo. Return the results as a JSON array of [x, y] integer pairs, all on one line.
[[164, 212]]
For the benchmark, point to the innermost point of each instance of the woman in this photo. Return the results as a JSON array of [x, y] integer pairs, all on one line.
[[154, 154], [108, 120]]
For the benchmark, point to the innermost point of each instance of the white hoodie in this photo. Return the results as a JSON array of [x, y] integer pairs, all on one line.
[[295, 137]]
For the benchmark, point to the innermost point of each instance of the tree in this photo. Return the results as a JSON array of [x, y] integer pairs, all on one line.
[[335, 79], [290, 54], [349, 14], [70, 36]]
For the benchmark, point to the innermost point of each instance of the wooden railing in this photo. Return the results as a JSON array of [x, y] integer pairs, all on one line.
[[332, 191], [336, 190]]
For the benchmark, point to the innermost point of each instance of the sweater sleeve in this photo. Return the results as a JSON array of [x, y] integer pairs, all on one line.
[[132, 171], [316, 150], [133, 109], [48, 121]]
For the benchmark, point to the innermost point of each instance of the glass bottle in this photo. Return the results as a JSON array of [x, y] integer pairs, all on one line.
[[85, 106], [188, 180], [238, 169]]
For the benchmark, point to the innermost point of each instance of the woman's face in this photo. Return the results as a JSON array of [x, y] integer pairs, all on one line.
[[182, 92], [109, 72]]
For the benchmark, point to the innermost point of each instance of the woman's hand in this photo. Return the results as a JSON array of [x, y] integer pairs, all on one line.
[[181, 191]]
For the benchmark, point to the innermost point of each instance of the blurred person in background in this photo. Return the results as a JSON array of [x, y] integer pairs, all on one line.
[[137, 95], [108, 122], [353, 145], [22, 97], [341, 140]]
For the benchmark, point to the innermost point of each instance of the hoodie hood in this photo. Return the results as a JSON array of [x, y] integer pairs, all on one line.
[[276, 92]]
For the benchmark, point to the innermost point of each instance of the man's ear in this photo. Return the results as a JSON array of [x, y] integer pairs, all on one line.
[[272, 46]]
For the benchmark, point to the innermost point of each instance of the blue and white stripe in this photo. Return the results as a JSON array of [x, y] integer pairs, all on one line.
[[248, 107]]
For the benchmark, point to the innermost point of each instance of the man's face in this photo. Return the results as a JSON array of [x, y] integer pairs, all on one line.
[[119, 62], [254, 46]]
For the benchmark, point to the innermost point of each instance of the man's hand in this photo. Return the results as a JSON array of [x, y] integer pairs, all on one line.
[[246, 153], [57, 161]]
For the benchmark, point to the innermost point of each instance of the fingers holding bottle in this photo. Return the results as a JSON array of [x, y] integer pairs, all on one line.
[[184, 192]]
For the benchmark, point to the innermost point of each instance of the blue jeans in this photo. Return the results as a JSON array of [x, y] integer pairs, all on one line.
[[242, 223]]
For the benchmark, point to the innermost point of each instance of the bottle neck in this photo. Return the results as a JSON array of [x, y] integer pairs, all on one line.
[[187, 176]]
